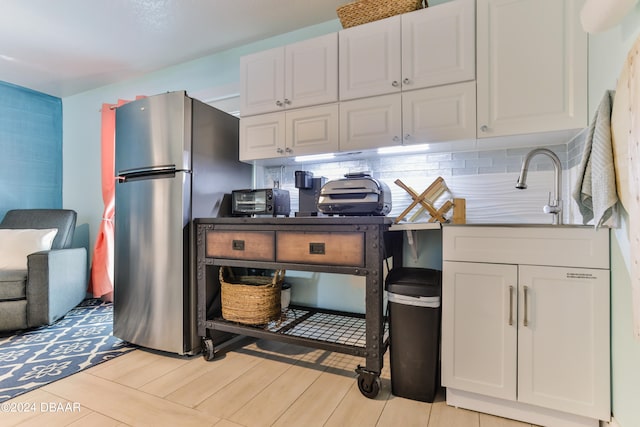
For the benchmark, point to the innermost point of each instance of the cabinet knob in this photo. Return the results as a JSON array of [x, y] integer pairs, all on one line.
[[406, 81], [395, 83], [396, 138], [288, 150], [279, 150], [407, 137], [484, 128], [287, 102], [279, 103]]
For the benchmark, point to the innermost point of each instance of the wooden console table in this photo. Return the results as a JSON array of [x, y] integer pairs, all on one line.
[[344, 245]]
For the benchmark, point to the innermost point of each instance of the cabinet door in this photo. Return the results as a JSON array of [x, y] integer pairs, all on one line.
[[439, 114], [563, 353], [370, 59], [479, 322], [262, 82], [311, 72], [371, 122], [531, 77], [312, 130], [439, 45], [262, 137]]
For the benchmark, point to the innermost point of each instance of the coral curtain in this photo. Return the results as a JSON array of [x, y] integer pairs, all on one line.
[[101, 280]]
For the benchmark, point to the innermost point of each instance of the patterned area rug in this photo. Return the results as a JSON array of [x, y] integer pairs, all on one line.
[[35, 357]]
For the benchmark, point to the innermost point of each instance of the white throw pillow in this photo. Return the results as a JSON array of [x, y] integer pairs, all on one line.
[[16, 244]]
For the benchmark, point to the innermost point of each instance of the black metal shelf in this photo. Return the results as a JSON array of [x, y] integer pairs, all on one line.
[[325, 329], [349, 333]]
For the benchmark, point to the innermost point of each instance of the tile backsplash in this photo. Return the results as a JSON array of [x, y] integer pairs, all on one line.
[[485, 178]]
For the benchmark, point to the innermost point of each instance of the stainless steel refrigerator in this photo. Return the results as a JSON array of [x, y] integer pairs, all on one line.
[[175, 158]]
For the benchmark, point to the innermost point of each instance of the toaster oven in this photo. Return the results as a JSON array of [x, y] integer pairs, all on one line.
[[265, 201]]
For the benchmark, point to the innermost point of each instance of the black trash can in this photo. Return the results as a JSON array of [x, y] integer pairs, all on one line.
[[414, 331]]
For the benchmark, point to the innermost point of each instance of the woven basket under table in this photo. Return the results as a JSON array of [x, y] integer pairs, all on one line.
[[251, 300], [364, 11]]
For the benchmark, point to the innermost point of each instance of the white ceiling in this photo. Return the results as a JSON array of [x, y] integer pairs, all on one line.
[[64, 47]]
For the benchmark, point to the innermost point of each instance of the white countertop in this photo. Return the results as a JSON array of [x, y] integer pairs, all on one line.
[[415, 226]]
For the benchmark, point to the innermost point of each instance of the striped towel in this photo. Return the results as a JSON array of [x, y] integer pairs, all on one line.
[[595, 191]]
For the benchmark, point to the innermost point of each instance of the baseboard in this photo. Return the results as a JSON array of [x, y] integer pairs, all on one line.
[[517, 410], [612, 423]]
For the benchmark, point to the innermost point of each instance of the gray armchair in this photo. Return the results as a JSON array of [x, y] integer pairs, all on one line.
[[55, 280]]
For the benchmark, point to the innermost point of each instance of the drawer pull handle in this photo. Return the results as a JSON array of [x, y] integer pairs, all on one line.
[[316, 248], [237, 245]]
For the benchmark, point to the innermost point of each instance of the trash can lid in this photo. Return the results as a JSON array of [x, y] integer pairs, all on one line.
[[414, 281]]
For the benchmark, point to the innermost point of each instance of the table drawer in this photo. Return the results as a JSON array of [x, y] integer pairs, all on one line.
[[331, 248], [253, 245]]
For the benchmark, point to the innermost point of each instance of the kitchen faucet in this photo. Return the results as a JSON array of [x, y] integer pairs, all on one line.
[[555, 206]]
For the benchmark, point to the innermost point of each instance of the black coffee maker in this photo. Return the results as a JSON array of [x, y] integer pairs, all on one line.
[[308, 192]]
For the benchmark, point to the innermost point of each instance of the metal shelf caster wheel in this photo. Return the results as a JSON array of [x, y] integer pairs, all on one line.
[[368, 382], [207, 349]]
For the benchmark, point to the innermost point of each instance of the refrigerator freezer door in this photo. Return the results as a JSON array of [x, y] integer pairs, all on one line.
[[154, 132], [151, 232]]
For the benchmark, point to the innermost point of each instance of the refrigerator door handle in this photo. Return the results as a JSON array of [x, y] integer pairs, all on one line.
[[148, 173], [147, 169]]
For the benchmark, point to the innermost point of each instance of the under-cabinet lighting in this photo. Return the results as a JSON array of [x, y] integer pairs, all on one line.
[[314, 157], [401, 149]]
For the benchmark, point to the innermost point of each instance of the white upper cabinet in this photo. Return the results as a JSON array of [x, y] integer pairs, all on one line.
[[304, 131], [442, 113], [428, 47], [312, 130], [371, 122], [531, 66], [438, 45], [297, 75], [262, 82], [262, 137], [460, 70], [370, 58], [430, 115]]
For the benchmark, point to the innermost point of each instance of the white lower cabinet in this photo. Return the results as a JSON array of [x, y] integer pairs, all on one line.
[[479, 336], [563, 336], [528, 342], [299, 132]]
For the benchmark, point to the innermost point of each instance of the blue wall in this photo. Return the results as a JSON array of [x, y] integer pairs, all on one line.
[[30, 149]]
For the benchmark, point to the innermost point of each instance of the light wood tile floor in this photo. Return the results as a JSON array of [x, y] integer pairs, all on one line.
[[261, 383]]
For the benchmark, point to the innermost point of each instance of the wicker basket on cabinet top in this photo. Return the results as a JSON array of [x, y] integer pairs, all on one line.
[[364, 11]]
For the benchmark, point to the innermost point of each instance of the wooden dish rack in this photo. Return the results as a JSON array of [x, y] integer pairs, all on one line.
[[428, 200]]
